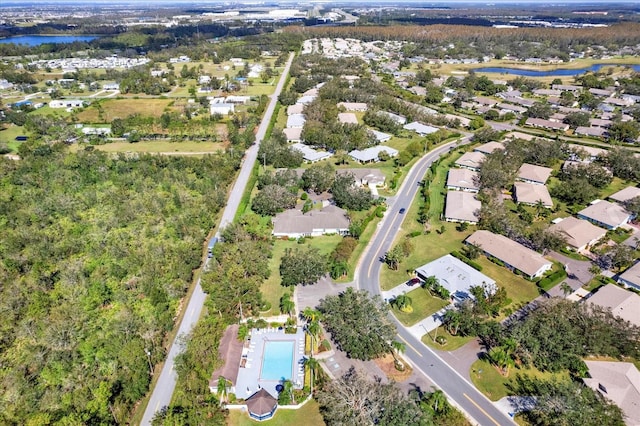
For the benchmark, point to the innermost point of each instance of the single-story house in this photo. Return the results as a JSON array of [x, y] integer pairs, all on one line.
[[261, 405], [310, 155], [463, 180], [599, 122], [601, 92], [597, 132], [589, 152], [605, 214], [579, 234], [531, 194], [483, 100], [546, 124], [111, 86], [66, 103], [381, 137], [631, 277], [399, 119], [347, 118], [295, 224], [464, 121], [293, 134], [625, 194], [514, 255], [620, 383], [470, 160], [461, 207], [353, 106], [623, 303], [296, 120], [456, 276], [295, 109], [306, 99], [419, 128], [365, 177], [566, 87], [531, 173], [371, 155], [489, 147], [236, 99], [104, 131], [204, 79], [511, 108], [222, 108]]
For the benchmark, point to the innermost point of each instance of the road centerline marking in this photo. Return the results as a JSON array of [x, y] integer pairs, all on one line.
[[411, 346], [481, 409]]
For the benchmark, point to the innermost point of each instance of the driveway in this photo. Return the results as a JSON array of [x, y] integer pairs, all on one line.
[[578, 270]]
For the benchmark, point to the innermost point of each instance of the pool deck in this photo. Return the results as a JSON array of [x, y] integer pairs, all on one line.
[[249, 381]]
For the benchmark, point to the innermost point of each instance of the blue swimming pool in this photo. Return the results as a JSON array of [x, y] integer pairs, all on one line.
[[277, 360]]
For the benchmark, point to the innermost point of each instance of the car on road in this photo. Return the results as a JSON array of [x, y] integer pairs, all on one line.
[[402, 210], [413, 281]]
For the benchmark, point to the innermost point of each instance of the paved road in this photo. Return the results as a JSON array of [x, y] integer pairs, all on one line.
[[460, 391], [163, 390]]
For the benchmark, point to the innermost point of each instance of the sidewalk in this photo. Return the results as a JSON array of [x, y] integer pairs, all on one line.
[[426, 325]]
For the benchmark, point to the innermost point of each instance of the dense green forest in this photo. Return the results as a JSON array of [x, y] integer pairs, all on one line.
[[95, 255]]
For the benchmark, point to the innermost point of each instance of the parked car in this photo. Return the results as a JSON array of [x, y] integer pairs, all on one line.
[[402, 210], [413, 281]]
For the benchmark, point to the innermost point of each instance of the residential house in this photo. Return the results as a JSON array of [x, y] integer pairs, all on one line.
[[371, 155], [631, 277], [296, 121], [293, 134], [605, 214], [398, 119], [365, 177], [420, 128], [470, 160], [483, 100], [235, 99], [531, 194], [489, 147], [353, 106], [347, 118], [456, 276], [531, 173], [230, 352], [306, 99], [221, 108], [310, 155], [623, 303], [295, 224], [619, 382], [566, 88], [626, 194], [579, 234], [546, 124], [66, 103], [461, 206], [381, 137], [596, 132], [463, 180], [295, 109], [514, 255]]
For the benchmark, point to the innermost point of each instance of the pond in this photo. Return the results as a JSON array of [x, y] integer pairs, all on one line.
[[560, 72], [36, 40]]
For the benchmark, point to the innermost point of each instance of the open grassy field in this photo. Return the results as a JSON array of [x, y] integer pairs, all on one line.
[[156, 147], [9, 134], [122, 108], [308, 415], [271, 289], [490, 382], [423, 305]]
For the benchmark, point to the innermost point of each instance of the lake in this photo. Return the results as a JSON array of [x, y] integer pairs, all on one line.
[[36, 40], [560, 72]]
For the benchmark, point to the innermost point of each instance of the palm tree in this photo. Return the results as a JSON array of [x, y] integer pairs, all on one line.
[[223, 389], [452, 319], [437, 401], [311, 314], [501, 358], [403, 302], [286, 304], [312, 364], [313, 328], [566, 289], [397, 348], [286, 394], [429, 283]]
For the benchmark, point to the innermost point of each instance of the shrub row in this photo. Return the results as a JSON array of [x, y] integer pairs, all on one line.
[[551, 280], [466, 260]]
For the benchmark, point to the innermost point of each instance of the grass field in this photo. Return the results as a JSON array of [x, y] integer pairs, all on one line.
[[423, 305], [308, 415], [490, 382], [156, 146], [9, 134], [122, 108], [453, 342], [271, 288]]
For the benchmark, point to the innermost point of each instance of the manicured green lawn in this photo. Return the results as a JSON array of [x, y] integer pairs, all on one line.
[[308, 415], [453, 342], [9, 134], [490, 382], [271, 289], [423, 305]]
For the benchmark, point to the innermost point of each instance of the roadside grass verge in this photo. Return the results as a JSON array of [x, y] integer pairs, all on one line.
[[423, 305], [453, 342]]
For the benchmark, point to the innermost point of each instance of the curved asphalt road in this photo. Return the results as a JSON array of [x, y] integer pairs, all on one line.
[[163, 390], [459, 390]]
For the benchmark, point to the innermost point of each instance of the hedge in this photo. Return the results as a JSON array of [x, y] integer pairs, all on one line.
[[466, 260], [548, 282]]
